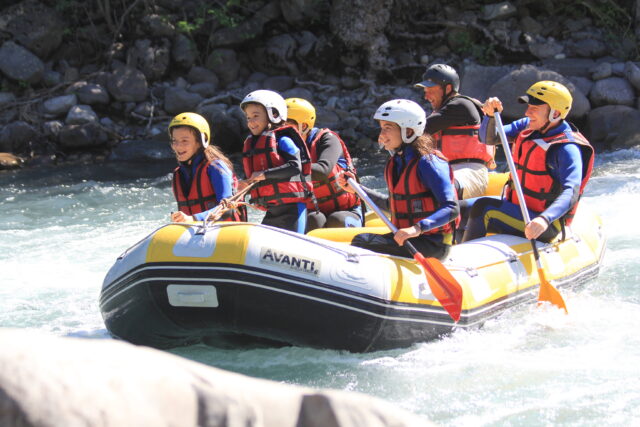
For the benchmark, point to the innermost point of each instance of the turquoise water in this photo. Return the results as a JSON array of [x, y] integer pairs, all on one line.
[[62, 228]]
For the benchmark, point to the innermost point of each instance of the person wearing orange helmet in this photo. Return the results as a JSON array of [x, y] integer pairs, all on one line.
[[553, 161]]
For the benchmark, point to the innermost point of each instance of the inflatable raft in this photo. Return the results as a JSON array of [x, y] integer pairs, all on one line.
[[187, 283]]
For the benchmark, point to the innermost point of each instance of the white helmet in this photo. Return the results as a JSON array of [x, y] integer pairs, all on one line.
[[271, 101], [406, 114]]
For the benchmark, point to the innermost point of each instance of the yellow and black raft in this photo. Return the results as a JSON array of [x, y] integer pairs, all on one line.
[[232, 282]]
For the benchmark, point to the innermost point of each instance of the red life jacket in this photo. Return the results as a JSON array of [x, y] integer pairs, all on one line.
[[329, 195], [410, 200], [538, 186], [202, 195], [461, 144], [261, 153]]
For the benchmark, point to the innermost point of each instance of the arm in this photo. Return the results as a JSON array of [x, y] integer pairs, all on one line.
[[292, 165], [328, 150], [489, 135], [565, 166]]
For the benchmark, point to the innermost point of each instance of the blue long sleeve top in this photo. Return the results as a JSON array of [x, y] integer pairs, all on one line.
[[219, 173], [564, 162]]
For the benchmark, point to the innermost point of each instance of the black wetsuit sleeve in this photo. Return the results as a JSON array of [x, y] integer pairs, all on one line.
[[455, 112], [328, 150]]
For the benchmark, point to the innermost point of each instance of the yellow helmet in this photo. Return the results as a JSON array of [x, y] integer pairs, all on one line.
[[301, 111], [556, 95], [195, 121]]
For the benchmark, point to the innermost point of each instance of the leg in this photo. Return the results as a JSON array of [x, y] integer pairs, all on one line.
[[384, 243], [315, 220], [472, 177], [290, 217], [341, 219]]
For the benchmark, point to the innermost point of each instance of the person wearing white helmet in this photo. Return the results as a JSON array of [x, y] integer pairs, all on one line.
[[454, 124], [204, 176], [276, 160], [422, 197], [553, 160]]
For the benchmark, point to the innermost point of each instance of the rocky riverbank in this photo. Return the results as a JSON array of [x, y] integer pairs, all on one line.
[[93, 81]]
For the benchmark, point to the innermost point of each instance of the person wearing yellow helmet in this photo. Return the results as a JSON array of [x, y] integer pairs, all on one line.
[[276, 160], [204, 175], [554, 162], [333, 206]]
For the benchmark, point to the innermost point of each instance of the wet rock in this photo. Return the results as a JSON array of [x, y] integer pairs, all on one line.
[[16, 136], [632, 74], [224, 63], [90, 93], [10, 161], [614, 126], [33, 25], [612, 91], [127, 84], [81, 114], [18, 63], [88, 135], [59, 105], [601, 71], [183, 51], [178, 100]]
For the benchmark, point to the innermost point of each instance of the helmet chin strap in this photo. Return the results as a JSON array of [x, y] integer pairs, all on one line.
[[551, 121]]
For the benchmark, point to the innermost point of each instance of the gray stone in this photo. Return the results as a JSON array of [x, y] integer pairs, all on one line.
[[88, 135], [587, 48], [143, 150], [300, 13], [51, 78], [152, 58], [617, 69], [202, 75], [306, 41], [570, 66], [177, 100], [52, 128], [205, 90], [144, 109], [612, 91], [601, 71], [582, 83], [33, 25], [181, 83], [278, 83], [183, 51], [327, 118], [500, 10], [530, 25], [48, 381], [227, 128], [298, 92], [6, 98], [280, 52], [475, 80], [59, 105], [615, 126], [81, 114], [157, 26], [515, 84], [18, 63], [127, 84], [632, 74], [257, 76], [16, 136], [350, 82], [247, 30], [90, 93], [224, 63], [545, 48]]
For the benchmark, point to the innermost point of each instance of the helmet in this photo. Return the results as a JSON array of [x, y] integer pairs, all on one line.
[[406, 114], [442, 75], [271, 101], [556, 95], [197, 122], [301, 111]]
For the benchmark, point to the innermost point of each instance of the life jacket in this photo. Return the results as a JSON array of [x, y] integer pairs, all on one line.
[[538, 186], [330, 196], [410, 200], [202, 195], [261, 153], [462, 144]]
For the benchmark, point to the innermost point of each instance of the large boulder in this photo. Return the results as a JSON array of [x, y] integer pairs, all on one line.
[[16, 137], [184, 51], [614, 126], [48, 381], [152, 58], [87, 135], [33, 25], [224, 63], [475, 80], [59, 105], [89, 93], [19, 64], [177, 100], [247, 30], [127, 84], [515, 84], [612, 90]]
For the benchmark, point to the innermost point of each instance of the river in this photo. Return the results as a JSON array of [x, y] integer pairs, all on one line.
[[63, 227]]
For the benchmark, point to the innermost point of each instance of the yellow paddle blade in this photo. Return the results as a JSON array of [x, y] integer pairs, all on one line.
[[548, 293]]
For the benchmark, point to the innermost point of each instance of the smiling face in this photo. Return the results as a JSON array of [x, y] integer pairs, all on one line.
[[184, 143], [538, 116], [257, 120], [390, 136], [434, 95]]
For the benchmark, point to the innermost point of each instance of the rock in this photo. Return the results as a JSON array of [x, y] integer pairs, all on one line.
[[6, 98], [49, 381], [570, 66], [144, 109], [157, 26], [16, 136], [142, 150], [51, 78], [81, 114], [279, 53], [475, 80], [59, 105], [33, 25], [545, 48], [278, 83], [500, 10], [617, 69], [612, 90], [601, 71], [19, 64], [247, 30], [10, 161], [205, 90], [530, 25], [88, 135], [326, 118], [582, 83], [632, 74], [127, 84], [224, 63], [587, 48], [90, 93], [298, 92], [150, 58], [183, 51], [350, 82], [300, 13], [257, 77], [52, 128], [306, 41], [202, 75], [178, 100], [615, 126], [227, 125], [515, 84]]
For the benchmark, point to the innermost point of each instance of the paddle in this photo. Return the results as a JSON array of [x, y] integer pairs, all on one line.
[[443, 285], [547, 291], [231, 203]]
